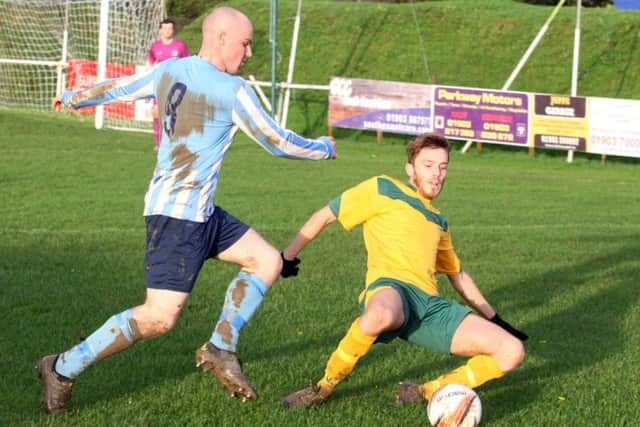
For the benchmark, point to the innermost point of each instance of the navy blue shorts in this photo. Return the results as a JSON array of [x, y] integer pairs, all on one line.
[[177, 248]]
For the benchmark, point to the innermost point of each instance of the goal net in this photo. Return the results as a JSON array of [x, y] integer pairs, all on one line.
[[47, 46]]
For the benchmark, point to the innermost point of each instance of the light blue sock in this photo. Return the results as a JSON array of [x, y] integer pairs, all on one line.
[[244, 295], [117, 334]]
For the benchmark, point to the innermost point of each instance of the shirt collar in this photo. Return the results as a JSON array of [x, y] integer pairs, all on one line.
[[413, 187]]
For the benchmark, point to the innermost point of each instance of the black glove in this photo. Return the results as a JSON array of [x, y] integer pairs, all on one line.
[[507, 327], [289, 267]]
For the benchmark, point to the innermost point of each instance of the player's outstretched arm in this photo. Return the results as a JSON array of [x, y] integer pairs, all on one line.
[[251, 118], [128, 88], [464, 284], [309, 231], [58, 105]]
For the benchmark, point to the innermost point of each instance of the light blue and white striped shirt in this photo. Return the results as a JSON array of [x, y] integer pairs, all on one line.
[[200, 110]]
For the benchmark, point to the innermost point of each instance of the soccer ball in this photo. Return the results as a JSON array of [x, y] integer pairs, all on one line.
[[454, 405]]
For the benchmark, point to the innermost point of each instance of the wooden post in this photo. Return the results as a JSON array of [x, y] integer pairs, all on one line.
[[479, 148], [603, 159], [379, 136], [532, 152]]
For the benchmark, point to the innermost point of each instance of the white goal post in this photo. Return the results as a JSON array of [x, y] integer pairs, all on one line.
[[49, 45]]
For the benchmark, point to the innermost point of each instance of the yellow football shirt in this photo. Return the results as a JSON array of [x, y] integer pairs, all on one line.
[[406, 238]]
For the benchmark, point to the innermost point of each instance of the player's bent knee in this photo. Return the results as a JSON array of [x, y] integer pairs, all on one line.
[[376, 321], [153, 323], [512, 355], [520, 354], [274, 262], [267, 266], [161, 326]]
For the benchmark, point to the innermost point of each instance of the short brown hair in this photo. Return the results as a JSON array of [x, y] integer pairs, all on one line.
[[168, 21], [426, 140]]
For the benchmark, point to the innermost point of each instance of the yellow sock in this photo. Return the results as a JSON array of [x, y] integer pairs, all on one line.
[[352, 347], [477, 371]]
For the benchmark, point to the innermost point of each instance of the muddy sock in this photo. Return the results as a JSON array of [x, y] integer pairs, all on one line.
[[342, 362], [244, 295], [117, 334]]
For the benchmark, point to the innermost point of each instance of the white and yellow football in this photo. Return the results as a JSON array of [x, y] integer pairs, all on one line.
[[454, 405]]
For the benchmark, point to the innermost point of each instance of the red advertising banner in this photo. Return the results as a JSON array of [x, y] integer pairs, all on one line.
[[82, 74]]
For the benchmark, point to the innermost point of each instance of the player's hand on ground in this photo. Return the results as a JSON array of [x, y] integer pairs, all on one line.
[[507, 327], [289, 267]]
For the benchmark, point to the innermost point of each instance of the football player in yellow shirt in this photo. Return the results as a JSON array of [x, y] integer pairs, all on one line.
[[408, 241]]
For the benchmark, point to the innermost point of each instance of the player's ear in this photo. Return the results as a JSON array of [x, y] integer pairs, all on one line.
[[408, 167]]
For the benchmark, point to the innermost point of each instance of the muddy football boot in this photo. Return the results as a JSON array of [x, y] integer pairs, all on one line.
[[56, 390], [225, 366], [409, 393], [310, 396]]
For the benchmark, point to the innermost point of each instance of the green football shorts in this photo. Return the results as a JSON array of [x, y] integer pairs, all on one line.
[[430, 321]]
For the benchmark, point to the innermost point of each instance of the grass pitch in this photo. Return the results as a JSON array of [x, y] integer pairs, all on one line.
[[553, 245]]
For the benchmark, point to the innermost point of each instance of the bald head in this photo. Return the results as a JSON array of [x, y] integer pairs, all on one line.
[[227, 35], [222, 18]]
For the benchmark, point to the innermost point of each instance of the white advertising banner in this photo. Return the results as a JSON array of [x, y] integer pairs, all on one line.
[[614, 127]]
